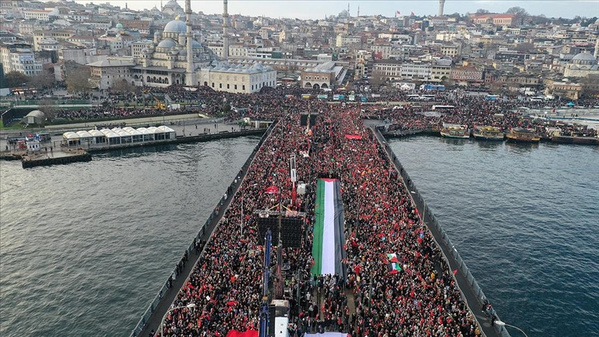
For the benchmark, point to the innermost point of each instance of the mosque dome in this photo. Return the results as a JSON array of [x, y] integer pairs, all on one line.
[[166, 43], [175, 26], [119, 26], [584, 58]]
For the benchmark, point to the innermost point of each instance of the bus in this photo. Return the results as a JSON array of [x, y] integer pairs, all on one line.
[[443, 107]]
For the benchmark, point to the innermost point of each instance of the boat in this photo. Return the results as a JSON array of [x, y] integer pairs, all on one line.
[[575, 139], [522, 135], [488, 133], [455, 131]]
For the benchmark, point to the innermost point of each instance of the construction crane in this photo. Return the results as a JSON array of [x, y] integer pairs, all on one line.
[[159, 104]]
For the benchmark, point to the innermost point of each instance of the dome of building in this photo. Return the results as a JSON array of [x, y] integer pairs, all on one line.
[[584, 58], [166, 43], [172, 4], [175, 26], [119, 26]]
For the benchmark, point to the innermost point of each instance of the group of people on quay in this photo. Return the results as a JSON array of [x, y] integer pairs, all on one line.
[[418, 299], [469, 108]]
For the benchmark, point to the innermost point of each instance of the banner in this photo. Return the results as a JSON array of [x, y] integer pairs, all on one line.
[[327, 249]]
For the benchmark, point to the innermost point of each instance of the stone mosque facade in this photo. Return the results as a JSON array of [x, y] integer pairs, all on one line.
[[175, 57]]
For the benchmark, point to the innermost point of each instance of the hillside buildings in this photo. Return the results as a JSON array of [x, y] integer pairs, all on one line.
[[160, 47]]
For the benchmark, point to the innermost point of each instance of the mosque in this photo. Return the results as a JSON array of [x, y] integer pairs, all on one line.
[[175, 57], [582, 65]]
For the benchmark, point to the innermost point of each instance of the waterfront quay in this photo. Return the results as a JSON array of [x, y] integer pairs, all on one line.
[[186, 129], [426, 287]]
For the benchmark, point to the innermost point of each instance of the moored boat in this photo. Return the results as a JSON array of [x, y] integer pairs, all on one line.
[[488, 133], [522, 135], [575, 139], [455, 131]]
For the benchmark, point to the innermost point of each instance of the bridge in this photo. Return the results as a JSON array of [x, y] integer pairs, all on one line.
[[470, 291]]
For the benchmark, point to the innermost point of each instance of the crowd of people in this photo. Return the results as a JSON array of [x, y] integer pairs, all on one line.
[[369, 300]]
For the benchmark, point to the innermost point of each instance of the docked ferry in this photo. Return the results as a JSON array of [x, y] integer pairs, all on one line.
[[455, 131], [488, 133], [522, 135]]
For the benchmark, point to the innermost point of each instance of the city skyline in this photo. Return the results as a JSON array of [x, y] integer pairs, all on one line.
[[313, 9]]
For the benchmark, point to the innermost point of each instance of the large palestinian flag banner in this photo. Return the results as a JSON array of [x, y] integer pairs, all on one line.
[[327, 249]]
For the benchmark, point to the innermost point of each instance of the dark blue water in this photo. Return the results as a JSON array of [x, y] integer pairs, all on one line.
[[85, 247], [525, 219]]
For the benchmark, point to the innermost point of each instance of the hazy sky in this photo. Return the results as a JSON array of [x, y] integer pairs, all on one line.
[[315, 9]]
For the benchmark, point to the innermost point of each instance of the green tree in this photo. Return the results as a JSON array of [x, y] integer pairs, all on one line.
[[16, 79]]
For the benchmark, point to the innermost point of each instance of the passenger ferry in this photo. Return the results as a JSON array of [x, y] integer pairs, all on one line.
[[455, 131], [488, 133], [522, 135]]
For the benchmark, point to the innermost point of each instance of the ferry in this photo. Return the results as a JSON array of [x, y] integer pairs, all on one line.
[[522, 135], [455, 131], [575, 139], [488, 133]]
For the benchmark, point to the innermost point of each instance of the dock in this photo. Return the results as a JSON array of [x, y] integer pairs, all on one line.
[[54, 158]]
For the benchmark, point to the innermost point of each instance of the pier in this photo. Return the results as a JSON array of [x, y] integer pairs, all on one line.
[[450, 264]]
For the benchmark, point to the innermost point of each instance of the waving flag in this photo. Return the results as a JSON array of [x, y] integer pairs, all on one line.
[[272, 190], [394, 263]]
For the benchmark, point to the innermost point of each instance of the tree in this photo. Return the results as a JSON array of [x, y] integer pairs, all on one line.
[[518, 11], [520, 14], [482, 11], [123, 86], [43, 80], [16, 79], [47, 107], [77, 79]]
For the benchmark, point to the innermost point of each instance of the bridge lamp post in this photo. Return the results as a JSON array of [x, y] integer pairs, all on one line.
[[500, 323], [189, 306]]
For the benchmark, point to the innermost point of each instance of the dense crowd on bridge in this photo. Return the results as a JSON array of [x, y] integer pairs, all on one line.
[[226, 285]]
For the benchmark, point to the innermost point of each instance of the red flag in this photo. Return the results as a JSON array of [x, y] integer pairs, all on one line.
[[455, 271], [272, 190], [413, 14], [249, 333], [398, 13]]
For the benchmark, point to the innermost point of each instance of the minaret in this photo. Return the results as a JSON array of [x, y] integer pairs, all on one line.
[[225, 30], [441, 4], [189, 74]]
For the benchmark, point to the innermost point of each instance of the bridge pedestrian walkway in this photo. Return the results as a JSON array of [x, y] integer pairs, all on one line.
[[153, 322], [470, 290]]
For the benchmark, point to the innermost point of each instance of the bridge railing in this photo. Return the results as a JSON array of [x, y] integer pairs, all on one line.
[[212, 219], [429, 218]]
